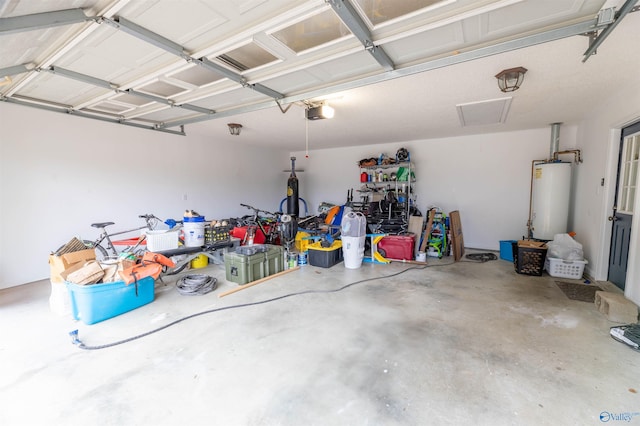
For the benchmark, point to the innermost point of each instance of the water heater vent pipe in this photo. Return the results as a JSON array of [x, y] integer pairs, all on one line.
[[554, 146]]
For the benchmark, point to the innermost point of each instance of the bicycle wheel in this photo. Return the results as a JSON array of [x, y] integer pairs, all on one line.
[[101, 252]]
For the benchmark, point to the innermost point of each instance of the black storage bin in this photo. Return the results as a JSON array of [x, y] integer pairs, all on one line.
[[529, 260], [325, 257]]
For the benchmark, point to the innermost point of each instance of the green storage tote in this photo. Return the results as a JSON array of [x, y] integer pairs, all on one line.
[[243, 269]]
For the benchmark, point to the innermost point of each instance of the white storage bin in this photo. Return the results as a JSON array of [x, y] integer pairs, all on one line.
[[162, 240], [565, 268]]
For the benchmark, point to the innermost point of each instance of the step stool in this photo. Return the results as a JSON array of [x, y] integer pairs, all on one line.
[[616, 307], [376, 256]]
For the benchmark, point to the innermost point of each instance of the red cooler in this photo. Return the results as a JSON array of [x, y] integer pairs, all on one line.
[[398, 247], [240, 232]]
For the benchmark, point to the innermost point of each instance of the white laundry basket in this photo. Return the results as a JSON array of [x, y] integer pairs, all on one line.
[[565, 268]]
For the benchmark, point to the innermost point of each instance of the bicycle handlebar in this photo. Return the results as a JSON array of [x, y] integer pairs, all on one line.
[[150, 219], [147, 216], [257, 210]]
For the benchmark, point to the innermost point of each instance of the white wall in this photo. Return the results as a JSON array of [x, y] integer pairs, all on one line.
[[59, 174], [599, 136], [485, 177]]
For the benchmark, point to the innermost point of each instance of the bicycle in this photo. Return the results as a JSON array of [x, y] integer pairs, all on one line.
[[151, 221], [267, 224]]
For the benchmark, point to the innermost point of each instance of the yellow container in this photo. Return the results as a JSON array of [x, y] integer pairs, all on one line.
[[325, 257], [302, 243], [200, 262]]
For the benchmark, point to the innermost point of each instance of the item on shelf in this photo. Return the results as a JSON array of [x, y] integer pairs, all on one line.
[[402, 155], [404, 173], [384, 160], [390, 196], [368, 162]]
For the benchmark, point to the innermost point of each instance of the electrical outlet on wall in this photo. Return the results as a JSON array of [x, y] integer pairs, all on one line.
[[184, 197]]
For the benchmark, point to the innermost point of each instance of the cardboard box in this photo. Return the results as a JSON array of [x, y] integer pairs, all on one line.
[[89, 272], [532, 244], [59, 264], [457, 239]]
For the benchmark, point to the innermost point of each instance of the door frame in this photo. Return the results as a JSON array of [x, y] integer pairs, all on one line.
[[632, 288]]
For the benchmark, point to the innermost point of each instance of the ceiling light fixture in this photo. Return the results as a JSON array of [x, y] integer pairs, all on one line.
[[234, 128], [320, 112], [511, 79]]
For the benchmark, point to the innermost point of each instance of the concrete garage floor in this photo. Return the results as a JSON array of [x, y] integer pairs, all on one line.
[[469, 343]]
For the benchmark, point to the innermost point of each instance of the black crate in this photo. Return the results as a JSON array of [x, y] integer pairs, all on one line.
[[528, 260], [216, 234]]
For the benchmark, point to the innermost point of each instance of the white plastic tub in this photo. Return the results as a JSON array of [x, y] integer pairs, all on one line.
[[573, 269], [162, 240]]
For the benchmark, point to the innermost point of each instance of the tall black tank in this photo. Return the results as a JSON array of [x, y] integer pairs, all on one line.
[[293, 207]]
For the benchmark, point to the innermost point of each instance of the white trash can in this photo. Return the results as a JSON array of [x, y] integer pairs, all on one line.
[[353, 234]]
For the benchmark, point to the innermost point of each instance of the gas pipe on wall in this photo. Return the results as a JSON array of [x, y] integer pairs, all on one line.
[[550, 191]]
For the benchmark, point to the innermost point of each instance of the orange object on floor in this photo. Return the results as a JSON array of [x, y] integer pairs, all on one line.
[[158, 258], [150, 266]]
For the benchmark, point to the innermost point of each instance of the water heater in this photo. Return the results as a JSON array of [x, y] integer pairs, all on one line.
[[551, 192]]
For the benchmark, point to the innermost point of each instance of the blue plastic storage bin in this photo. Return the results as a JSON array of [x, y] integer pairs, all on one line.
[[97, 302], [506, 249]]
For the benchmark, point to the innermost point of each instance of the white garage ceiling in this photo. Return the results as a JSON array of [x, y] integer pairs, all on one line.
[[393, 70]]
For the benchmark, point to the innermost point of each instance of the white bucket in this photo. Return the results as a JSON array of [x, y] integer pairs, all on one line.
[[60, 301], [193, 234], [353, 251]]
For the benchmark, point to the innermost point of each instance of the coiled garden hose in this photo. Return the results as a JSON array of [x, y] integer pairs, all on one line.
[[196, 284]]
